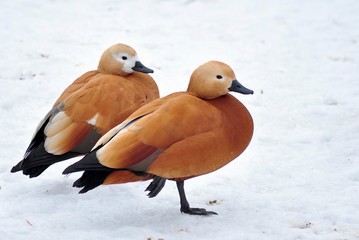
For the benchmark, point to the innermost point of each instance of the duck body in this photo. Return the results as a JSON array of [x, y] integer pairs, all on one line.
[[177, 137], [180, 136], [92, 105]]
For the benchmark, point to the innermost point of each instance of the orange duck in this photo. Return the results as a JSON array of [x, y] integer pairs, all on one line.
[[92, 105], [180, 136]]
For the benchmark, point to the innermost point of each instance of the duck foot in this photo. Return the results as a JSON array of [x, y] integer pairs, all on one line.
[[197, 211], [155, 186], [185, 205]]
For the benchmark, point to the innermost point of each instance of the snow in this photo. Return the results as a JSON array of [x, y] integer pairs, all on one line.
[[299, 178]]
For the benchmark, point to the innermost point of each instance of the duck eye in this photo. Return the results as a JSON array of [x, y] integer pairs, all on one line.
[[219, 77], [124, 58]]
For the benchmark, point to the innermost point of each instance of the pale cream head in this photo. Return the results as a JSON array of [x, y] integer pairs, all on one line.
[[118, 59], [211, 80]]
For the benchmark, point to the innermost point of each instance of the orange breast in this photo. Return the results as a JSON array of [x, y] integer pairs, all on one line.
[[209, 151]]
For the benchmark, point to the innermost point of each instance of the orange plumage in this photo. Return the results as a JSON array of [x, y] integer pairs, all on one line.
[[180, 136], [91, 106]]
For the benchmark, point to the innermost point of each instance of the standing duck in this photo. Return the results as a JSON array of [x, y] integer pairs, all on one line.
[[92, 105], [180, 136]]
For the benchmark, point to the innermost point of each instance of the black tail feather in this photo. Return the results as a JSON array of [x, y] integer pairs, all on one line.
[[89, 162], [90, 180], [94, 175], [17, 167], [38, 160], [32, 171]]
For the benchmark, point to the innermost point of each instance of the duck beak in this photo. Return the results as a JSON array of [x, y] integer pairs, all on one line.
[[139, 67], [239, 88]]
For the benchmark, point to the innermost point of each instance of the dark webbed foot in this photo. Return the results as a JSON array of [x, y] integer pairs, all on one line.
[[197, 211], [185, 205], [155, 186]]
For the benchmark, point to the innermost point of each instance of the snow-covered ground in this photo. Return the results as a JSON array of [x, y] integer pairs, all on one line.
[[299, 178]]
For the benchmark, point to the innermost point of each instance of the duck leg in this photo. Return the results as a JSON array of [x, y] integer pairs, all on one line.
[[185, 205]]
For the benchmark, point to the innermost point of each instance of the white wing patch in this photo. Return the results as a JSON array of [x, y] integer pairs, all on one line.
[[93, 120]]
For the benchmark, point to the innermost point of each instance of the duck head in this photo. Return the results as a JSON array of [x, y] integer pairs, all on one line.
[[214, 79], [121, 59]]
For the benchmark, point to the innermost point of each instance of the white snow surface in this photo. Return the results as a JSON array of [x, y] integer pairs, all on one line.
[[298, 179]]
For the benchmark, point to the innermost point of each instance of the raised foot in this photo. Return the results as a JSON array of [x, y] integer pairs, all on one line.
[[155, 186], [197, 211]]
